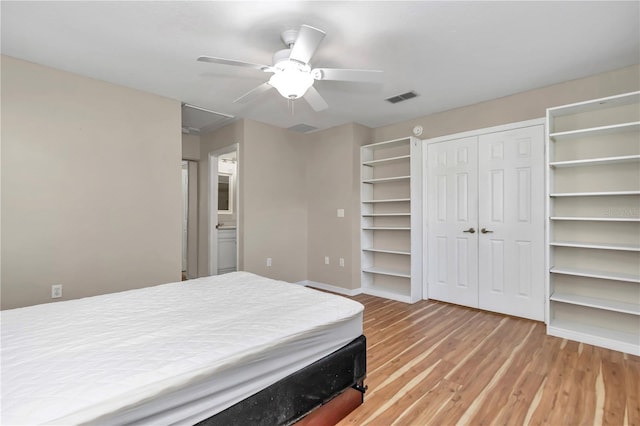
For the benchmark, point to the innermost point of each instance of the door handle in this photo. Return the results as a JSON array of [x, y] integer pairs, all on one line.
[[470, 230], [485, 231]]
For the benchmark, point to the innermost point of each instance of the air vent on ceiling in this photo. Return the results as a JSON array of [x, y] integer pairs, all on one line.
[[302, 128], [402, 97]]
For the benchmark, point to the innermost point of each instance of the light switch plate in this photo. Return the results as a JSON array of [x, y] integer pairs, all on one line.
[[340, 212]]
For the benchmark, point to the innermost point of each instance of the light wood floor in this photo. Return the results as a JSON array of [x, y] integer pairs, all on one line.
[[433, 363]]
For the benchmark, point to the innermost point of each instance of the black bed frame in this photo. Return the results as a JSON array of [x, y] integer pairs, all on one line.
[[291, 398]]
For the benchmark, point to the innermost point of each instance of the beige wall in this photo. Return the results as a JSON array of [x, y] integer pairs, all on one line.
[[291, 187], [274, 208], [91, 195], [272, 202], [191, 147], [518, 107], [332, 165]]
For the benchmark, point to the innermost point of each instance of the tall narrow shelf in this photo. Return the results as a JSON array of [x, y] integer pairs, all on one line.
[[593, 227], [391, 228]]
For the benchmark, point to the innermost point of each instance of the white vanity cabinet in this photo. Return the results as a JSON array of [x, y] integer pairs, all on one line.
[[226, 250]]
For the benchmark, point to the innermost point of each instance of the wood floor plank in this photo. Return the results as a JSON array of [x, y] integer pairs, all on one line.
[[476, 372], [632, 366], [521, 398], [430, 404], [433, 363], [395, 342], [502, 386], [614, 381], [399, 395]]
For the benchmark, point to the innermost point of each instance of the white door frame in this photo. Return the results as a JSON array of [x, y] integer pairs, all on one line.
[[185, 215], [192, 225], [212, 211]]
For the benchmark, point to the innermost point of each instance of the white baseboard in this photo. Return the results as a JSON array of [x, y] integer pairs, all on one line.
[[331, 288]]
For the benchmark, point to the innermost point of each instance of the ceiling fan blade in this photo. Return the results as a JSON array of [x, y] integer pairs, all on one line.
[[253, 93], [314, 99], [307, 42], [339, 74], [233, 62]]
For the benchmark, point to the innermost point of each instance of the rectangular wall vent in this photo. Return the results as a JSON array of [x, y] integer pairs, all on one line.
[[402, 97], [302, 128]]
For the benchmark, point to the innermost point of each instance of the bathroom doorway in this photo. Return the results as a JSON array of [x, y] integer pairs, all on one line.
[[223, 210]]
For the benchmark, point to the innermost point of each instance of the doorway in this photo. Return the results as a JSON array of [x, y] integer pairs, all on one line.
[[223, 213]]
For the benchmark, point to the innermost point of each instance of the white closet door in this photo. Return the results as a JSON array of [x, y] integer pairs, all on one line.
[[511, 211], [452, 208]]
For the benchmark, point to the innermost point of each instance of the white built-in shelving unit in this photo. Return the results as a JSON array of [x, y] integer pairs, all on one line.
[[391, 229], [593, 158]]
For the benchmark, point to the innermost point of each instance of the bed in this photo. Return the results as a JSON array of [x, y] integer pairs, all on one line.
[[230, 349]]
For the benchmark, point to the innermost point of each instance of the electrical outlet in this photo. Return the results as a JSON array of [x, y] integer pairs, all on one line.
[[56, 291], [326, 260], [342, 262], [268, 261]]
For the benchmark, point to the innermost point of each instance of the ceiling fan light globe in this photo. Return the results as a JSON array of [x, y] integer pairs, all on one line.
[[291, 83]]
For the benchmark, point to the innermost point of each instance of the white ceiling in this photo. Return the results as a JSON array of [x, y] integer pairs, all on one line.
[[451, 53]]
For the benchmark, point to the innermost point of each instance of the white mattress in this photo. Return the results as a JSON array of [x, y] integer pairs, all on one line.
[[170, 354]]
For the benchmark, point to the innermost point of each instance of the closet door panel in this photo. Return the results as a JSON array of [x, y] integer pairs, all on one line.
[[511, 238], [452, 251]]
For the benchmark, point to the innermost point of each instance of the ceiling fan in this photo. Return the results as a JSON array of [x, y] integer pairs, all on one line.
[[293, 76]]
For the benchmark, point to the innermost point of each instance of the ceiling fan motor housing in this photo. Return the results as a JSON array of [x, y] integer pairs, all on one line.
[[281, 55], [289, 37]]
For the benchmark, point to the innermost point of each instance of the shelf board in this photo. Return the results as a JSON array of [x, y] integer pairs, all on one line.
[[613, 339], [387, 271], [375, 250], [386, 228], [596, 219], [400, 158], [595, 104], [633, 126], [599, 246], [616, 276], [391, 200], [593, 194], [387, 179], [386, 294], [387, 144], [596, 161], [385, 214], [597, 303]]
